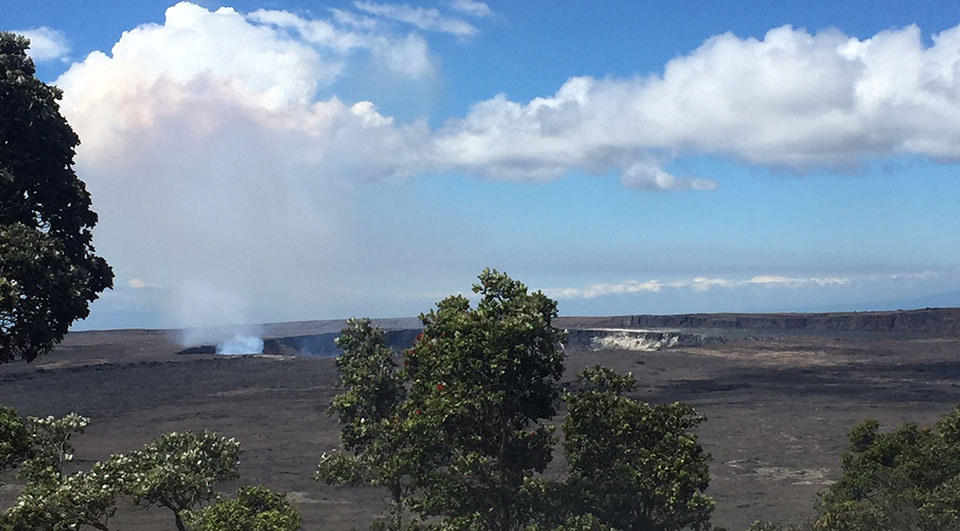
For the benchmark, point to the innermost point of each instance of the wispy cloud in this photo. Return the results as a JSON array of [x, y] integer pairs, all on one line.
[[407, 55], [46, 44], [470, 7], [600, 290], [698, 284], [424, 18]]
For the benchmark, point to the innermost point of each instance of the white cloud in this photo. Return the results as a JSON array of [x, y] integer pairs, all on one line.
[[213, 162], [649, 176], [408, 55], [214, 167], [45, 43], [599, 290], [315, 31], [471, 7], [698, 284], [777, 280], [791, 100], [425, 18]]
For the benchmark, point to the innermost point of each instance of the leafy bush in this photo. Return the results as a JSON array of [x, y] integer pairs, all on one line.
[[14, 438], [254, 509], [178, 470], [905, 479]]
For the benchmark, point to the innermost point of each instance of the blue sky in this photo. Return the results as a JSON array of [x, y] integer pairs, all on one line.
[[287, 160]]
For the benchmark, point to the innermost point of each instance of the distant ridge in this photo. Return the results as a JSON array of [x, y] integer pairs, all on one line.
[[932, 322]]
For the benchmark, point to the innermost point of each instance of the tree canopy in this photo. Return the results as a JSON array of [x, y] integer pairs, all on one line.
[[49, 273], [254, 509], [179, 470], [461, 433], [636, 466], [14, 438], [483, 382], [904, 479]]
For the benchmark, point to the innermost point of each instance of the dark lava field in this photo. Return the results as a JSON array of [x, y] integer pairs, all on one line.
[[779, 392]]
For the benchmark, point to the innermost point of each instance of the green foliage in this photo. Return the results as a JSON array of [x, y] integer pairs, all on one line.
[[635, 466], [178, 470], [605, 379], [48, 270], [14, 438], [585, 522], [50, 500], [482, 381], [373, 434], [905, 479], [79, 501], [374, 388], [51, 449], [459, 435], [254, 509], [761, 525]]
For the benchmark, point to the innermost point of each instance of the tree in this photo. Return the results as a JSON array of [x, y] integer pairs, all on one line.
[[14, 438], [462, 431], [904, 479], [50, 449], [635, 466], [81, 500], [254, 509], [373, 432], [178, 470], [49, 273], [482, 381], [52, 500]]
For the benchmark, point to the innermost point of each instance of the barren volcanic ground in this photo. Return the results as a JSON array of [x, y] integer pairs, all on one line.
[[779, 392]]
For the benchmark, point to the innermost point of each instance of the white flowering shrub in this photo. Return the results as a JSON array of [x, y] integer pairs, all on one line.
[[178, 471], [51, 448], [78, 501]]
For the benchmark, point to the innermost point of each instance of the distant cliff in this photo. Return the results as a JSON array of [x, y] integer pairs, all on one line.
[[929, 322], [640, 332]]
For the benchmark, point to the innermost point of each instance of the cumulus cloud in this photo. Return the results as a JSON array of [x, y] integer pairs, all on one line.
[[45, 43], [425, 18], [791, 100]]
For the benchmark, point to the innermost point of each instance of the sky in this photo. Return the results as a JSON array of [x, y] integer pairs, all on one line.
[[285, 160]]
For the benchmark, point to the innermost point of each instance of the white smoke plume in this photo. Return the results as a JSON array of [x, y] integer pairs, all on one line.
[[240, 345]]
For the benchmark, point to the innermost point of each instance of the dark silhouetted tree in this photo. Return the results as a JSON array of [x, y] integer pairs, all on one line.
[[49, 273]]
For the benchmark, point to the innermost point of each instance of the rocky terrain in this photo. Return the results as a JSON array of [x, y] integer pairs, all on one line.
[[779, 390]]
